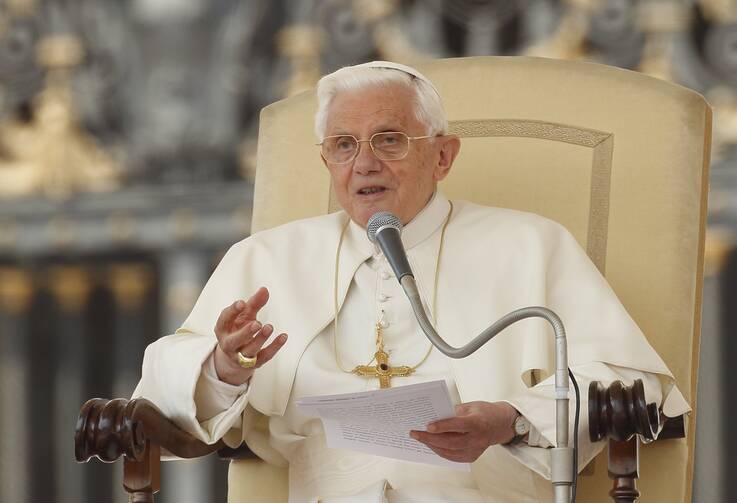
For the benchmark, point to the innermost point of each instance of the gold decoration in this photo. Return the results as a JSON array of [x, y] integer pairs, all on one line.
[[657, 56], [393, 45], [129, 284], [247, 149], [568, 41], [52, 154], [720, 242], [300, 41], [663, 16], [301, 45], [371, 11], [391, 41], [21, 8], [59, 52], [659, 20], [724, 101], [71, 286], [719, 11], [16, 290], [584, 5], [247, 362], [382, 370]]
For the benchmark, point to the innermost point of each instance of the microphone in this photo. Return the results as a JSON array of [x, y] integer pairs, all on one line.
[[384, 229]]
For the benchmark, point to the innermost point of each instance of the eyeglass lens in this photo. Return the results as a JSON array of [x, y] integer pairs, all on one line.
[[386, 146]]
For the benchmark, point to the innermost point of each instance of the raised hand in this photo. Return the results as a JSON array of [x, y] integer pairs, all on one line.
[[238, 330]]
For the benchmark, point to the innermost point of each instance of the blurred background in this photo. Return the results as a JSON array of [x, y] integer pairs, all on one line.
[[127, 149]]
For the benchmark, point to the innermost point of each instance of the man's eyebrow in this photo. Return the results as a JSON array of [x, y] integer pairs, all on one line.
[[340, 132], [379, 129], [386, 128]]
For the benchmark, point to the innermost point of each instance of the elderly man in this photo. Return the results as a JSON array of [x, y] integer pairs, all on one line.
[[383, 137]]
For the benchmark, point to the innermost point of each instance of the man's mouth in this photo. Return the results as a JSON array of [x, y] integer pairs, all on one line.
[[371, 190]]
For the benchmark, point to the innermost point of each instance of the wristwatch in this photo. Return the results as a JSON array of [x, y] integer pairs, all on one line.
[[521, 428]]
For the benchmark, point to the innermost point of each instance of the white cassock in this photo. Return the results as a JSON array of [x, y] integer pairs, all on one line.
[[493, 261]]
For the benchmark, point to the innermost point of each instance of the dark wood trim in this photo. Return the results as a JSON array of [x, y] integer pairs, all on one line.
[[620, 413]]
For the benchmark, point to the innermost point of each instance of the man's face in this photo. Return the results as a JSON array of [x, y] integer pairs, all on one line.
[[367, 184]]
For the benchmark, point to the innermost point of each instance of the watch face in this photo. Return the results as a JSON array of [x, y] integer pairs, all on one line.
[[521, 426]]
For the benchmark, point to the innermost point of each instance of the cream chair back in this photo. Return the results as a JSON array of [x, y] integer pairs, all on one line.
[[619, 158]]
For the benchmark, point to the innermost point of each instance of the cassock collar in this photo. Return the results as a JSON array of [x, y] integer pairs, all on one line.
[[424, 225]]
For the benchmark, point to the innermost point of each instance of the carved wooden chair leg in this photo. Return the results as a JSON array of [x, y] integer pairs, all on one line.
[[621, 413], [142, 479], [138, 431], [624, 469]]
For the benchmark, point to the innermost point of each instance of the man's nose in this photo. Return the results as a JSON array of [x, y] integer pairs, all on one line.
[[365, 162]]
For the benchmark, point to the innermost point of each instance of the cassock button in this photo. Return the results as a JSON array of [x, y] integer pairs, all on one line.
[[383, 297], [385, 275], [383, 323]]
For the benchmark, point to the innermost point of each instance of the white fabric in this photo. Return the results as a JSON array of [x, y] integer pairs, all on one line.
[[518, 260], [402, 68]]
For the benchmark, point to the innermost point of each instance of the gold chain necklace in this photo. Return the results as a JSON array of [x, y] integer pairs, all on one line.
[[382, 370]]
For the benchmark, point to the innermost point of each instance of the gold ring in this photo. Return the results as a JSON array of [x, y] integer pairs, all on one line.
[[247, 362]]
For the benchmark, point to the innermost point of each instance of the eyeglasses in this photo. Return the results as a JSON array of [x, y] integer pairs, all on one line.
[[388, 146]]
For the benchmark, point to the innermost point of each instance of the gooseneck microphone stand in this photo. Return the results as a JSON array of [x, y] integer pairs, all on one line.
[[384, 229]]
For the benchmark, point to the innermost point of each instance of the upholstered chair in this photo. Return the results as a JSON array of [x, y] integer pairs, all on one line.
[[619, 158]]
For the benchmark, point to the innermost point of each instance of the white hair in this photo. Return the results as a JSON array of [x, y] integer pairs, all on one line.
[[428, 105]]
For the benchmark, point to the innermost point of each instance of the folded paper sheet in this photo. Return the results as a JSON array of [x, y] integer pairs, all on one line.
[[379, 421]]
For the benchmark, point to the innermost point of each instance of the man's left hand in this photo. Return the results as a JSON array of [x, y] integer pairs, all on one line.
[[477, 425]]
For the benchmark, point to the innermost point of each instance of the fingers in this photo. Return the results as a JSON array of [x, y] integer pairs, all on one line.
[[457, 456], [255, 303], [458, 447], [464, 409], [252, 340], [458, 424], [269, 351], [228, 316], [238, 340], [239, 312], [448, 441]]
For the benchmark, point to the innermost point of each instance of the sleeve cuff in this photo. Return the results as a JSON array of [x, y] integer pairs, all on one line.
[[212, 395]]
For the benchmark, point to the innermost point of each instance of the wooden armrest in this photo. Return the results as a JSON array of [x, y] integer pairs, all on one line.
[[109, 429], [139, 432], [620, 413]]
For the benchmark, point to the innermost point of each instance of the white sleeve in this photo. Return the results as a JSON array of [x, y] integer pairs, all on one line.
[[538, 406], [171, 375], [213, 396]]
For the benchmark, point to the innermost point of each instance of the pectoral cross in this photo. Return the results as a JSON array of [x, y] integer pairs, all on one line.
[[382, 370]]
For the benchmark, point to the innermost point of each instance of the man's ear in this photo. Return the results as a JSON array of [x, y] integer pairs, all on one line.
[[448, 151]]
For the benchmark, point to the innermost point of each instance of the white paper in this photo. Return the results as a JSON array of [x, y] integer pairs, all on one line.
[[379, 421]]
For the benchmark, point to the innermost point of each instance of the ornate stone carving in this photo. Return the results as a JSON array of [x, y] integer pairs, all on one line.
[[51, 153]]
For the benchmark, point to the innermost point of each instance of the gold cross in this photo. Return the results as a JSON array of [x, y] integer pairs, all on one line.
[[382, 370]]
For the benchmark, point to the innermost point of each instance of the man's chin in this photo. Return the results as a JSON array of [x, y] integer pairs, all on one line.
[[362, 217], [363, 212]]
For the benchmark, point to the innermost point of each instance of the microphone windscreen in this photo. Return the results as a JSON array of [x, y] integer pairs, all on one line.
[[379, 220]]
